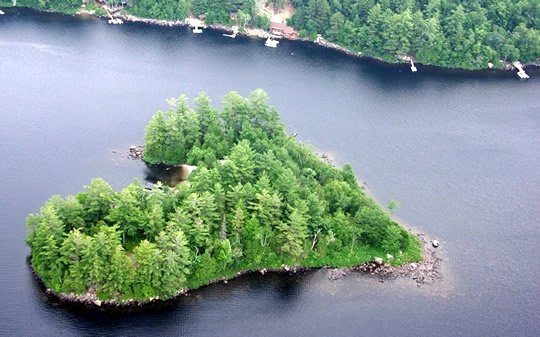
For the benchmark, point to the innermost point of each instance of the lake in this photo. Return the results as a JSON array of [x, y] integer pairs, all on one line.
[[459, 150]]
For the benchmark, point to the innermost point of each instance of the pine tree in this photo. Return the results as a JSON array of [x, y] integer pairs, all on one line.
[[72, 251], [292, 235], [148, 263]]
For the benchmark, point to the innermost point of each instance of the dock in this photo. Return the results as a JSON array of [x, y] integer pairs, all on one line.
[[234, 32], [196, 24], [413, 67], [112, 20], [521, 73]]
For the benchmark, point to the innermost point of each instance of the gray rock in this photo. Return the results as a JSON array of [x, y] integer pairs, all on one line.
[[378, 260], [336, 274], [435, 243]]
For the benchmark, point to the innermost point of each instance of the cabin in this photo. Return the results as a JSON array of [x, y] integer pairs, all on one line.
[[281, 29]]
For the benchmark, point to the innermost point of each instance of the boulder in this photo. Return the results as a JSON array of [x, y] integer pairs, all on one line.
[[336, 274], [389, 257], [378, 260], [435, 243]]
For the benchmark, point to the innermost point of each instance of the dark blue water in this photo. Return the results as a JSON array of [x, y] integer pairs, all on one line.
[[460, 151]]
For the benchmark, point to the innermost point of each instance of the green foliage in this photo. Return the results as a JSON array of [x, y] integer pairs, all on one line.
[[262, 201], [448, 33]]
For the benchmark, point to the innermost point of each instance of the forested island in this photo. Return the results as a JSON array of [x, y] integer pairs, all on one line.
[[448, 33], [257, 200]]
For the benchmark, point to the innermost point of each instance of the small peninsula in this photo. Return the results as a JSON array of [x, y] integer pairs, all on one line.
[[454, 34], [258, 200]]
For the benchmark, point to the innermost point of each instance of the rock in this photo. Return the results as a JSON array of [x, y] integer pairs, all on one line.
[[435, 243], [378, 260], [413, 265], [336, 274], [389, 257], [98, 303], [135, 152]]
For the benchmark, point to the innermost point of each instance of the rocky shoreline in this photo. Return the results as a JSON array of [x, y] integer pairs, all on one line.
[[263, 34], [425, 272]]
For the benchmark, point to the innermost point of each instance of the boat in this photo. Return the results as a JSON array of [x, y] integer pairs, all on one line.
[[270, 42], [115, 21], [197, 30], [1, 12]]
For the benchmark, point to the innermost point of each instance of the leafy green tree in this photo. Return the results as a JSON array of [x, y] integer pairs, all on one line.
[[224, 255], [373, 223]]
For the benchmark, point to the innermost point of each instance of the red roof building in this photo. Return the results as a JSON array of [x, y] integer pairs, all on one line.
[[281, 29]]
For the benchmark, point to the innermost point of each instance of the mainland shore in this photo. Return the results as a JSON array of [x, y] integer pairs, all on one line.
[[258, 33]]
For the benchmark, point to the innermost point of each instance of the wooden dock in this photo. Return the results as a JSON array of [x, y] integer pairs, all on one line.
[[521, 73], [413, 67], [234, 32], [112, 20]]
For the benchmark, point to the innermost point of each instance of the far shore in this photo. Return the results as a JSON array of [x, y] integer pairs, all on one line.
[[258, 33]]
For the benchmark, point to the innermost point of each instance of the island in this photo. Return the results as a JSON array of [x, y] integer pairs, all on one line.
[[257, 200], [458, 34]]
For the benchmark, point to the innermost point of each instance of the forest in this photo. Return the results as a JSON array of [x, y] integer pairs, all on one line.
[[257, 199], [447, 33]]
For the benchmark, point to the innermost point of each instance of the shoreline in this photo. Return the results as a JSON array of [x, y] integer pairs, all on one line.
[[259, 33], [425, 272]]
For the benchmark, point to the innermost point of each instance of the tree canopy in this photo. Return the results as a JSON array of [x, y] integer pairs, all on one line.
[[258, 199], [448, 33]]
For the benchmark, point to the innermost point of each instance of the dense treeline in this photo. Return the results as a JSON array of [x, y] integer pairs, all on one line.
[[449, 33], [258, 199]]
